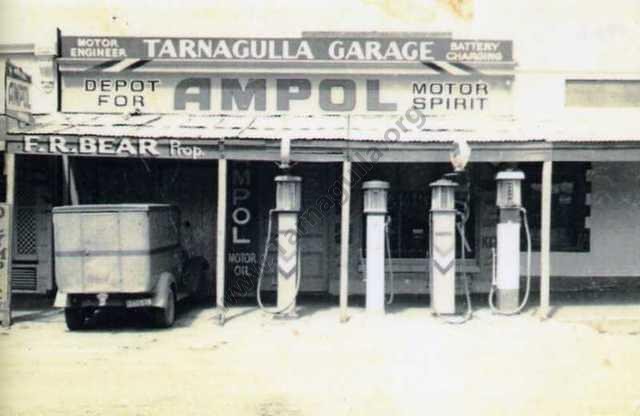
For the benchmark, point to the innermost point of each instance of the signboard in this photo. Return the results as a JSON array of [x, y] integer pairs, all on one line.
[[439, 75], [5, 263], [323, 49], [17, 94], [114, 146], [242, 255], [106, 92]]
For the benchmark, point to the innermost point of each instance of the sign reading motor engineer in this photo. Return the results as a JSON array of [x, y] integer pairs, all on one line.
[[387, 49]]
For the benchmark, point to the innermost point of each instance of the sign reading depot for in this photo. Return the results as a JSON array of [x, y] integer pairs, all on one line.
[[159, 75]]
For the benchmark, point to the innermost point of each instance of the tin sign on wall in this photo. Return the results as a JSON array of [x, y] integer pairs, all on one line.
[[17, 93], [243, 252]]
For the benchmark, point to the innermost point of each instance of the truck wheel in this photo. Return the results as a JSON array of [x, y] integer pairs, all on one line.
[[165, 317], [74, 318]]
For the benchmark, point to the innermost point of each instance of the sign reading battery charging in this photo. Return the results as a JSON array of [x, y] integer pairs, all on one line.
[[5, 264], [17, 93]]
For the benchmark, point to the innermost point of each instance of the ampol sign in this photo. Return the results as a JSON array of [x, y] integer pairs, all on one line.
[[168, 93]]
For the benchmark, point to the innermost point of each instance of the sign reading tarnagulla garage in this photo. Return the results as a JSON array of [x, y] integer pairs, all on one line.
[[286, 49]]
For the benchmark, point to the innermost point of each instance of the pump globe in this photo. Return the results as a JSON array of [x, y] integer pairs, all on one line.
[[460, 155]]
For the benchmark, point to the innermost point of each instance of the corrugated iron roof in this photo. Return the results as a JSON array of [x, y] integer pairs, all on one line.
[[583, 126]]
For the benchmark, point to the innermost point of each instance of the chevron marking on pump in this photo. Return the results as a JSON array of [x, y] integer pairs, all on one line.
[[287, 273], [444, 269], [443, 251]]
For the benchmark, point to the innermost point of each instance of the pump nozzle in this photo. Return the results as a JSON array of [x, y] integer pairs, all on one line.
[[285, 154], [460, 155]]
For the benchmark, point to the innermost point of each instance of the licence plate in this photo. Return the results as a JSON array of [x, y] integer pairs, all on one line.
[[138, 303]]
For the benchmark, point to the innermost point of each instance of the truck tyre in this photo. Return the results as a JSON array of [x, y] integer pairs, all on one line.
[[74, 318], [165, 317]]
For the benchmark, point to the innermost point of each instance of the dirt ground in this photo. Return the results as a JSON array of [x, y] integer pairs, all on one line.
[[585, 360]]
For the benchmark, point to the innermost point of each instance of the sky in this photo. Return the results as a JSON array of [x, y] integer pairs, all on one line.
[[585, 36]]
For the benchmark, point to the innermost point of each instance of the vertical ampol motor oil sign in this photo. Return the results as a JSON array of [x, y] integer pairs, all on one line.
[[242, 229]]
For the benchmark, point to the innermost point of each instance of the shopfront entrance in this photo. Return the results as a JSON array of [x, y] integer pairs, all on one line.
[[251, 195]]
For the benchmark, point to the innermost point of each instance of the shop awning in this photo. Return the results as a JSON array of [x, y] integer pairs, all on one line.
[[600, 135], [576, 127]]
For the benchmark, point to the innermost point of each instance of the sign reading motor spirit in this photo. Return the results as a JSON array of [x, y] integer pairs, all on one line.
[[17, 93], [5, 264], [333, 49]]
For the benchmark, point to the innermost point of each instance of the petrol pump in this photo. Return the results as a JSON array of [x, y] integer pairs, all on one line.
[[450, 200], [443, 247], [505, 285], [375, 209], [288, 205]]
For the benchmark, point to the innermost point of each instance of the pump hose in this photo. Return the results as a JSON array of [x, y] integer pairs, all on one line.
[[261, 272], [392, 289], [519, 309]]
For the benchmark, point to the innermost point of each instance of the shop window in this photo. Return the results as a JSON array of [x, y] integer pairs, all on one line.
[[409, 225], [408, 208], [569, 204], [602, 93]]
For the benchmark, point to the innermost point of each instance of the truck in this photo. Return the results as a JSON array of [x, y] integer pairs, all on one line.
[[122, 255]]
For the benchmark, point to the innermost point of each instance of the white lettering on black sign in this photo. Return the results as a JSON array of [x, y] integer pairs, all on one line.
[[109, 146], [242, 255]]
